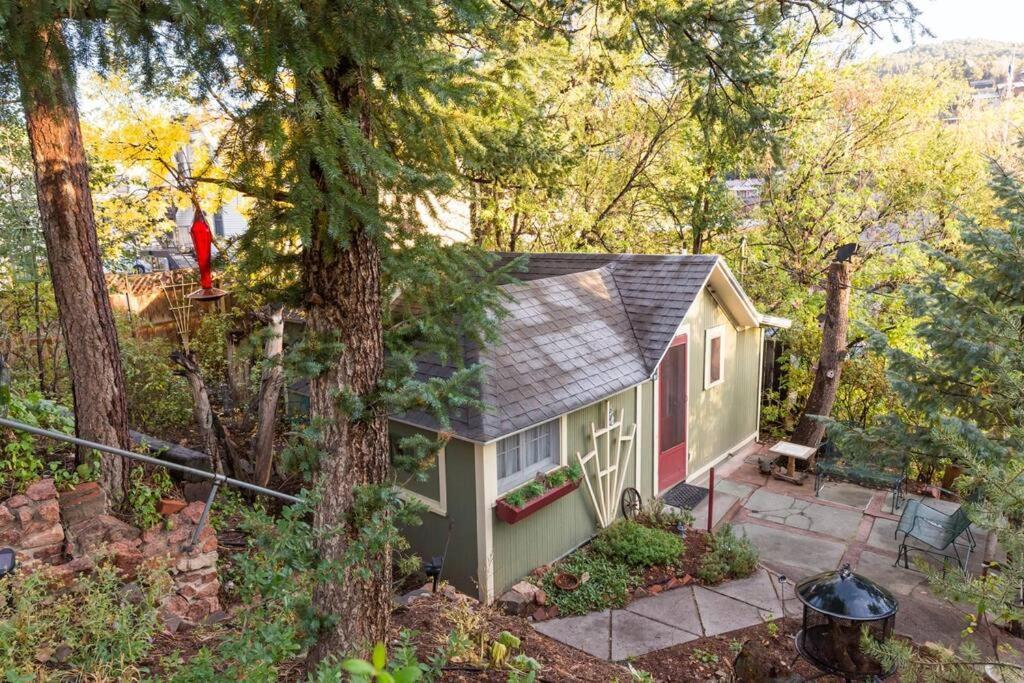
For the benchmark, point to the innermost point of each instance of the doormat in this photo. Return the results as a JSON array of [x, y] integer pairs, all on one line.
[[685, 496]]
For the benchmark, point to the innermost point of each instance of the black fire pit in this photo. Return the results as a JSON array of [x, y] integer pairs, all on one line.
[[837, 607]]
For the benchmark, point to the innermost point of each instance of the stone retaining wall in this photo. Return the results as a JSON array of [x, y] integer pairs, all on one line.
[[73, 531], [30, 523]]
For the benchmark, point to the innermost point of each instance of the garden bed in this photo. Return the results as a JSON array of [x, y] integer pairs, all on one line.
[[770, 647], [435, 617], [631, 560]]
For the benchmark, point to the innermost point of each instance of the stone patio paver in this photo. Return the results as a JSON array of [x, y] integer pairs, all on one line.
[[758, 590], [734, 488], [881, 535], [723, 503], [720, 613], [634, 635], [803, 514], [675, 608], [590, 633], [879, 568], [782, 549], [847, 494]]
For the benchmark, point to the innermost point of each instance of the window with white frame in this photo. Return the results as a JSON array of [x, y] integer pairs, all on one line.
[[523, 455], [714, 356]]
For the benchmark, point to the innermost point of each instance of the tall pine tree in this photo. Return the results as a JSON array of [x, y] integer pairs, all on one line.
[[36, 59]]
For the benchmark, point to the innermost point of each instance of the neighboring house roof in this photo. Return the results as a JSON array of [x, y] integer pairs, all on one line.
[[579, 328]]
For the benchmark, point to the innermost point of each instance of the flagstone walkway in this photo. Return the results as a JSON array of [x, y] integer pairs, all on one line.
[[670, 618]]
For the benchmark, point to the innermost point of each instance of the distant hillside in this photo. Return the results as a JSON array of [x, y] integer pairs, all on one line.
[[972, 59]]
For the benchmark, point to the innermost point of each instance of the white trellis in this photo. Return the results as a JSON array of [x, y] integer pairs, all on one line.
[[605, 480]]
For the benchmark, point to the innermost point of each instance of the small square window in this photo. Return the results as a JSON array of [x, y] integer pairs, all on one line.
[[714, 356]]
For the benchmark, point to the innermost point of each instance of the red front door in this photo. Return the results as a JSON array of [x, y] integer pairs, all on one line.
[[672, 415]]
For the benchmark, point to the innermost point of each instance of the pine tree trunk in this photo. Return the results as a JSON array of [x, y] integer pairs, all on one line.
[[830, 362], [343, 303], [69, 229], [345, 292], [270, 391]]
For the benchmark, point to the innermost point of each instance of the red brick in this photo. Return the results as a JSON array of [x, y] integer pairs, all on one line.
[[170, 506], [192, 512]]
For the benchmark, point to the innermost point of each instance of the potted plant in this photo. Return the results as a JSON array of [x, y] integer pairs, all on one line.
[[539, 493]]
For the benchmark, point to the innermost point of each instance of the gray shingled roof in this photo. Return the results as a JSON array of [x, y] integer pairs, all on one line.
[[580, 327], [656, 291]]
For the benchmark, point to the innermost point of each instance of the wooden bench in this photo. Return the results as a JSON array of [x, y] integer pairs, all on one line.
[[936, 529], [832, 464]]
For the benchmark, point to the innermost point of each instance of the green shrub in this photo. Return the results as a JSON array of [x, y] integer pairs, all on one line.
[[158, 400], [655, 513], [608, 584], [23, 457], [728, 556], [96, 629], [209, 341], [144, 494], [636, 545]]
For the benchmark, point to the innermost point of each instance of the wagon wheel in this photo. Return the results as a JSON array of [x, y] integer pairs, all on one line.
[[630, 503]]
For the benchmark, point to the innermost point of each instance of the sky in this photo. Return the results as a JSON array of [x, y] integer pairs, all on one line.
[[957, 19]]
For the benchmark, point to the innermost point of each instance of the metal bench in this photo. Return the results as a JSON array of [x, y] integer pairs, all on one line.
[[937, 530], [830, 463]]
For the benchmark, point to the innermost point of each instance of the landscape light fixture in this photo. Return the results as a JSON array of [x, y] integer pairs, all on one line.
[[8, 561]]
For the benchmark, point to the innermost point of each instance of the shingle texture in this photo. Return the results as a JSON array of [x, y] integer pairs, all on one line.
[[656, 291], [580, 327]]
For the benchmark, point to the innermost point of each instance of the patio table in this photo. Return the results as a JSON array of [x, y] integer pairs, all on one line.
[[794, 452]]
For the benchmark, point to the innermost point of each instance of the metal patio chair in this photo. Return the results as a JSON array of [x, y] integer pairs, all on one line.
[[936, 529]]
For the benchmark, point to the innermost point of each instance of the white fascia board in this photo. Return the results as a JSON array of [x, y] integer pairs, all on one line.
[[776, 321], [746, 313]]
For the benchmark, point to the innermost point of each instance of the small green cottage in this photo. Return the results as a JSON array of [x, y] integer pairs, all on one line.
[[642, 370]]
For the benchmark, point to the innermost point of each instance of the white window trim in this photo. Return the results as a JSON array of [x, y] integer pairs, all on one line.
[[524, 477], [439, 506], [716, 332]]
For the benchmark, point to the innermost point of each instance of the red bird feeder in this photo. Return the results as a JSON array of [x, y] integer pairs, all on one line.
[[202, 240]]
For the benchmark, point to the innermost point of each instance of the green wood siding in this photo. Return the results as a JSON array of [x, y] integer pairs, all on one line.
[[568, 523], [724, 415], [428, 539]]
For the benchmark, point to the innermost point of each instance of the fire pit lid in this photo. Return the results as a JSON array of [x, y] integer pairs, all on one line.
[[846, 595]]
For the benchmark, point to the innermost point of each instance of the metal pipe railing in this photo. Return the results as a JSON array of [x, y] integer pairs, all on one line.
[[217, 479]]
